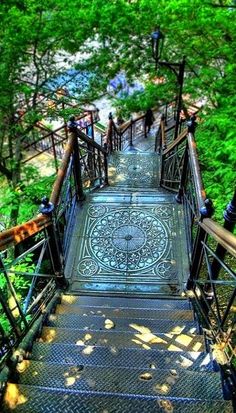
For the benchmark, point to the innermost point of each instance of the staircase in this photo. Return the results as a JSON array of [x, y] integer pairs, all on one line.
[[123, 338], [102, 354]]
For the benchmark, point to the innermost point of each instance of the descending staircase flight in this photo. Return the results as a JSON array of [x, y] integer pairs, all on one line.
[[123, 338]]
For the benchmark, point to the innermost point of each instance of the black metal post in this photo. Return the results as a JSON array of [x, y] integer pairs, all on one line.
[[198, 251], [77, 165], [131, 133], [197, 258], [106, 168], [47, 208], [179, 100], [179, 196], [229, 224], [109, 133]]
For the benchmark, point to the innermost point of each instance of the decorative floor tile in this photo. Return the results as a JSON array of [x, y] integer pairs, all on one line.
[[128, 244], [127, 240], [137, 170]]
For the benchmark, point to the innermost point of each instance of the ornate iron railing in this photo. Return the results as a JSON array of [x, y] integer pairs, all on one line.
[[211, 248], [121, 137], [33, 255]]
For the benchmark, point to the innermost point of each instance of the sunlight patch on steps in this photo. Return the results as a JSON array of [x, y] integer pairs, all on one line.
[[72, 375], [82, 341], [69, 299], [13, 396], [166, 405], [23, 366], [48, 336]]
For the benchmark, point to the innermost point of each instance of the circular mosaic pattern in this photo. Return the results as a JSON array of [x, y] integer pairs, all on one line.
[[87, 267], [128, 240], [140, 169]]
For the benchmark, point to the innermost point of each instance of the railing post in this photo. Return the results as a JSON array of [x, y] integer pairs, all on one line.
[[106, 168], [183, 179], [92, 128], [166, 114], [229, 224], [54, 151], [76, 161], [179, 100], [131, 133], [109, 133], [55, 250], [197, 255]]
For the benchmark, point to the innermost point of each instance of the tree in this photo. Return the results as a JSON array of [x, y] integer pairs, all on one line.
[[115, 36]]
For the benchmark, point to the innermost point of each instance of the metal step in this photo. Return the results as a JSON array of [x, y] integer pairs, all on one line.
[[118, 288], [112, 356], [126, 313], [122, 324], [132, 197], [120, 302], [143, 339], [109, 380], [42, 400]]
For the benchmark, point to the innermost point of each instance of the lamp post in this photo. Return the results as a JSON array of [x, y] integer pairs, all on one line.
[[178, 68]]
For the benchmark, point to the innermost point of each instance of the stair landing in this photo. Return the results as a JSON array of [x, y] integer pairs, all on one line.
[[129, 238]]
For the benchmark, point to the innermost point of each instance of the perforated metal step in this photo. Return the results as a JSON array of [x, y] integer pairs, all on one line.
[[129, 313], [121, 324], [171, 382], [112, 356], [121, 302], [39, 400], [143, 339]]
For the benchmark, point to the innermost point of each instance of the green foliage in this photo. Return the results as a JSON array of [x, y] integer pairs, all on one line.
[[115, 36], [27, 194]]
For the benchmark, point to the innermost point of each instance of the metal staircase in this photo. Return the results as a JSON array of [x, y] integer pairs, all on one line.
[[113, 330], [103, 354]]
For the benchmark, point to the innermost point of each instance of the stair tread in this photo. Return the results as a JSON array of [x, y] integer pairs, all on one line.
[[120, 357], [40, 400], [122, 324], [137, 339], [180, 384], [121, 302], [123, 312]]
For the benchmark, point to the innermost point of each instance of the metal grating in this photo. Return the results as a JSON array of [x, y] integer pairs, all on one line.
[[113, 356], [138, 339], [171, 382], [45, 401], [121, 324], [126, 312], [121, 302]]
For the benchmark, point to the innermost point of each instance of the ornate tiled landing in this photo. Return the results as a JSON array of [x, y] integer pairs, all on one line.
[[134, 169], [129, 247]]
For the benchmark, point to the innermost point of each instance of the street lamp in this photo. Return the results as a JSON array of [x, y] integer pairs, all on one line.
[[178, 69]]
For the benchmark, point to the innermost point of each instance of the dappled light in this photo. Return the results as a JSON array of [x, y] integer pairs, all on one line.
[[48, 335], [13, 396], [72, 375], [166, 405], [13, 307], [88, 350], [69, 299], [184, 339], [82, 341], [145, 376], [23, 366], [163, 388], [109, 324]]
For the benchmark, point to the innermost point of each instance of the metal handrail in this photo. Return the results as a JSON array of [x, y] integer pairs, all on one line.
[[220, 234]]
